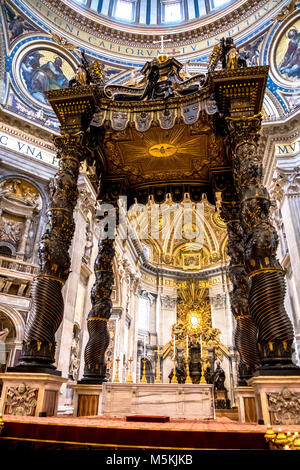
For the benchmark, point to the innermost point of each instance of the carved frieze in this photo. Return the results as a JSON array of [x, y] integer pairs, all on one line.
[[168, 302], [20, 191], [284, 407], [11, 230], [21, 400], [218, 301]]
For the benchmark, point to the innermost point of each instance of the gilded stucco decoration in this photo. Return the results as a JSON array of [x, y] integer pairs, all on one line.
[[194, 321], [20, 191], [181, 152], [184, 253]]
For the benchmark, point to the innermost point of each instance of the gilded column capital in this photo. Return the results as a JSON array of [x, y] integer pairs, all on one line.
[[71, 145], [244, 130]]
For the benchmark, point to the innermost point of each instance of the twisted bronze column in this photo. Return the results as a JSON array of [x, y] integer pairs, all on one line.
[[38, 353], [266, 296], [245, 335], [94, 355]]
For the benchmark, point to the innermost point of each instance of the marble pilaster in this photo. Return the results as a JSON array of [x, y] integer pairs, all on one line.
[[277, 399], [29, 394]]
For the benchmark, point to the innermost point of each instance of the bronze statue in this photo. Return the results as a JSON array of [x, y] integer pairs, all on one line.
[[219, 377], [180, 369]]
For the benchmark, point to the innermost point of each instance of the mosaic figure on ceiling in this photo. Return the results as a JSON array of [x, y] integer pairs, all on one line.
[[291, 61], [17, 24], [42, 77]]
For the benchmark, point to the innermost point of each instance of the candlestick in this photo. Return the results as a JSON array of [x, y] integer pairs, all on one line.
[[144, 380], [157, 378], [174, 347], [116, 379], [129, 378], [187, 345], [188, 379], [174, 378], [203, 364], [201, 345]]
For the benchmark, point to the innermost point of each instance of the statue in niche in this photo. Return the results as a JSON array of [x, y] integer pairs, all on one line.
[[3, 335], [88, 245], [74, 356]]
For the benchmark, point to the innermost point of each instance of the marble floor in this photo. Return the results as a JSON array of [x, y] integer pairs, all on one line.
[[219, 424]]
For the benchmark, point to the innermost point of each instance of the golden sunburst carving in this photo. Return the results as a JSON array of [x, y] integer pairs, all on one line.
[[162, 150], [160, 154]]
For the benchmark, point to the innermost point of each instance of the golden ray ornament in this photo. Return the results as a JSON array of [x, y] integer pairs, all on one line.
[[194, 322]]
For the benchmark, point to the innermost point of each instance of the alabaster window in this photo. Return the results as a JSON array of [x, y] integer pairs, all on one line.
[[124, 10], [143, 315]]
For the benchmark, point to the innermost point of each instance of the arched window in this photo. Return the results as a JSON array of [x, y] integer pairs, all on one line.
[[172, 11], [143, 315], [124, 10], [7, 250], [218, 3]]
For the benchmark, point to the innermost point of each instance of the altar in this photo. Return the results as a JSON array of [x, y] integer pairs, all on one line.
[[173, 400]]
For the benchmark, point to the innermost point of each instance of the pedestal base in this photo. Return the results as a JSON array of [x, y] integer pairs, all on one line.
[[87, 399], [277, 399], [245, 399], [28, 394], [173, 400]]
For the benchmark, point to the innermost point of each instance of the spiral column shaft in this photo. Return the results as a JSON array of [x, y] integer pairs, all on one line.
[[94, 355], [266, 296], [245, 335], [38, 353]]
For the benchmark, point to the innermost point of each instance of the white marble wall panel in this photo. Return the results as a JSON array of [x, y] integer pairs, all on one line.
[[173, 400]]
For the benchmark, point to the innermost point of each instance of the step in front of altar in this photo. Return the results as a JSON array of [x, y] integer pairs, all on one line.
[[173, 400], [147, 419]]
